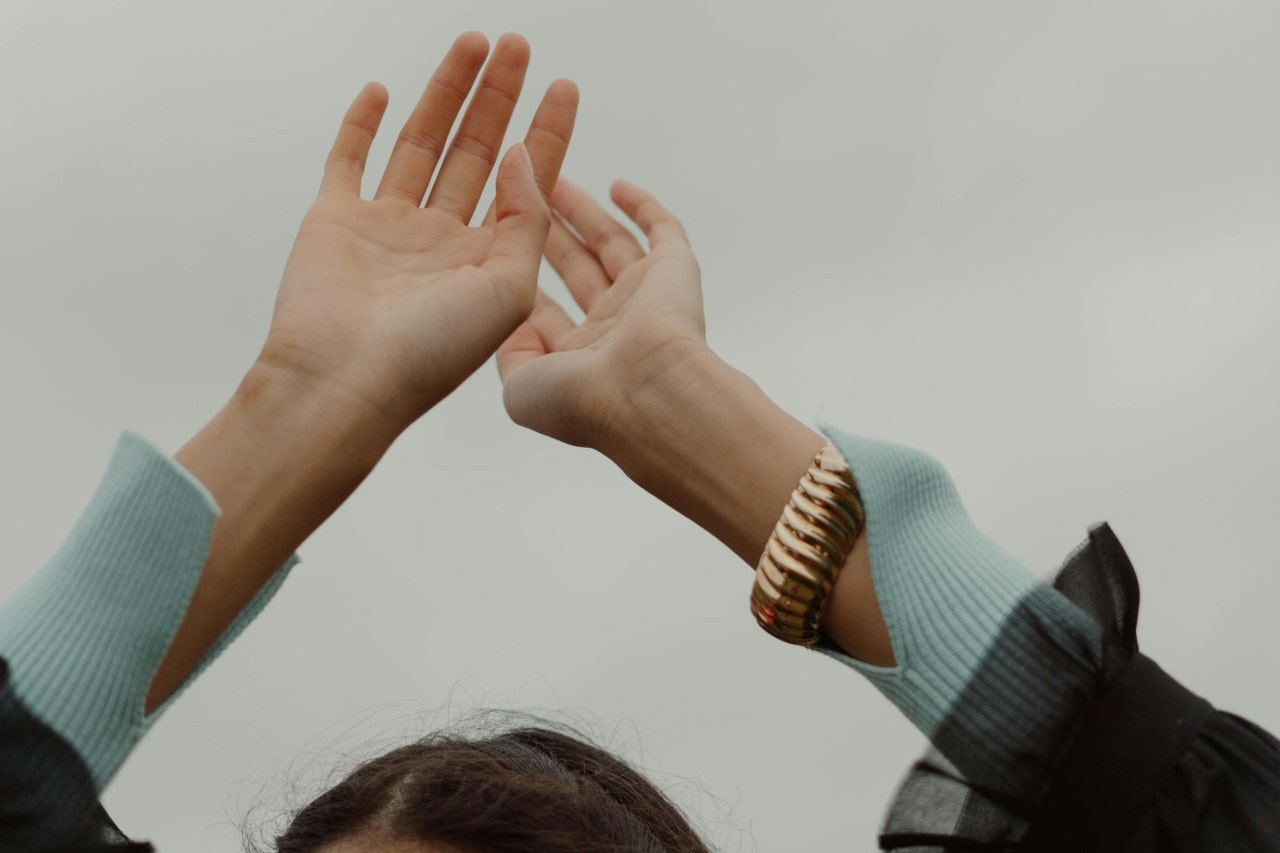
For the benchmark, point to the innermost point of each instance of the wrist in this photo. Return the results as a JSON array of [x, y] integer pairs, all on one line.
[[707, 441], [278, 401], [278, 459], [348, 390], [283, 453]]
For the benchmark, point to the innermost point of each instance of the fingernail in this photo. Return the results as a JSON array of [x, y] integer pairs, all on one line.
[[528, 161]]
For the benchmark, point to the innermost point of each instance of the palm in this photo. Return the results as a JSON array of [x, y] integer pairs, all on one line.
[[396, 303], [388, 298], [650, 303], [643, 310]]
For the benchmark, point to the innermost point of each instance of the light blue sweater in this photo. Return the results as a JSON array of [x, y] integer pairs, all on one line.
[[989, 658], [86, 634]]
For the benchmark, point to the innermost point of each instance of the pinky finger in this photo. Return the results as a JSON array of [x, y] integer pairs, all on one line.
[[345, 166], [657, 223]]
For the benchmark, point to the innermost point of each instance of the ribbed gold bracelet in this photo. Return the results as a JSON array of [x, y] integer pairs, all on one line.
[[808, 548]]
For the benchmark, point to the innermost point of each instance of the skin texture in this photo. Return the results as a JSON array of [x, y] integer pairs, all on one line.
[[385, 306], [637, 381]]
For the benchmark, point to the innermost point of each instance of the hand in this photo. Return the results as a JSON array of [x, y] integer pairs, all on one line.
[[391, 305], [384, 308], [637, 381], [644, 317]]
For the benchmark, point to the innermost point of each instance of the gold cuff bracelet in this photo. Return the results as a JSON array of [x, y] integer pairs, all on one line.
[[808, 548]]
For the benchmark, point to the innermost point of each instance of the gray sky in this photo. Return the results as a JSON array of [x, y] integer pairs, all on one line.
[[1037, 240]]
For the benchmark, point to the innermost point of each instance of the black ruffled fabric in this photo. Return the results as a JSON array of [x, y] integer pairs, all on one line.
[[48, 803], [1151, 767]]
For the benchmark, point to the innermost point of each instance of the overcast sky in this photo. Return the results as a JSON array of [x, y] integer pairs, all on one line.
[[1037, 240]]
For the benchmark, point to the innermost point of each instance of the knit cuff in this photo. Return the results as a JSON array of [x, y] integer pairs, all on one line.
[[86, 635], [986, 654]]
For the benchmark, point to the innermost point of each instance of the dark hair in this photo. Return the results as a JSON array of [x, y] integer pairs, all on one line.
[[529, 790]]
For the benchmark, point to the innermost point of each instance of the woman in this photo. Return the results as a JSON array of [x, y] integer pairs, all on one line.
[[384, 308]]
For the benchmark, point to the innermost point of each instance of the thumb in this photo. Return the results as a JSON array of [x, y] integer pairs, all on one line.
[[522, 220], [541, 394]]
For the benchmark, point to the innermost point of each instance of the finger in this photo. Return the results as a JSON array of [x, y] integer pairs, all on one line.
[[549, 134], [607, 239], [550, 320], [524, 345], [476, 147], [577, 267], [658, 223], [520, 232], [534, 395], [538, 383], [418, 148], [535, 337], [345, 165]]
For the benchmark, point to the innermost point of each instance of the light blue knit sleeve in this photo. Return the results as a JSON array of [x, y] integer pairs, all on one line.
[[86, 634], [992, 663]]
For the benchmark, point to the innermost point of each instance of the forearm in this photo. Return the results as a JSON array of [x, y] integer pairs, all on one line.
[[173, 557], [707, 441], [983, 657], [278, 459], [85, 634]]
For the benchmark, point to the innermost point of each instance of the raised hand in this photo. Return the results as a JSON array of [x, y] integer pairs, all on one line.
[[393, 303], [384, 308], [637, 381], [577, 382]]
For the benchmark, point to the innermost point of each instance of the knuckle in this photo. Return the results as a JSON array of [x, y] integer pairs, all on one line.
[[476, 147], [609, 241], [489, 87], [421, 138], [346, 159], [599, 242], [446, 200], [359, 127], [543, 128], [448, 88]]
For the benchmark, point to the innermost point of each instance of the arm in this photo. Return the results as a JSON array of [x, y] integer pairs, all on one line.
[[637, 381], [985, 659], [384, 308], [695, 442]]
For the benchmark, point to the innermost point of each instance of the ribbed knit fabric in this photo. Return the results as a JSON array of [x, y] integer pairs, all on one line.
[[950, 598], [85, 636], [983, 647]]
